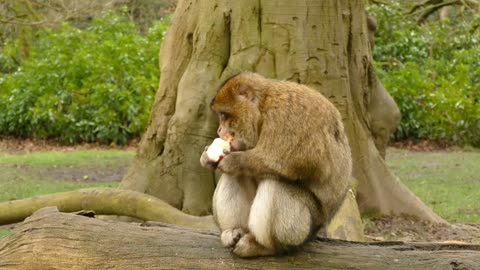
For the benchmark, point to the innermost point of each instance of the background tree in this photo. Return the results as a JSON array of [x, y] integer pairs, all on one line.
[[19, 20], [426, 8], [321, 44]]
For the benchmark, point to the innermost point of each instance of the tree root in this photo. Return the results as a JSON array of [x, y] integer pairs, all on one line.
[[104, 201]]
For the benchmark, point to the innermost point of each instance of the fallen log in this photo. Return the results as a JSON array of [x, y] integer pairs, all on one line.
[[53, 240]]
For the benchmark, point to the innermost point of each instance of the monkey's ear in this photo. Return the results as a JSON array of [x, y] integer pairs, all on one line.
[[244, 91]]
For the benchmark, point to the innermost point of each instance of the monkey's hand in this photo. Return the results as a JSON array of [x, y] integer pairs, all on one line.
[[213, 153], [233, 164], [206, 162]]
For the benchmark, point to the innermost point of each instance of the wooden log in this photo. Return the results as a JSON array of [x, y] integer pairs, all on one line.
[[53, 240]]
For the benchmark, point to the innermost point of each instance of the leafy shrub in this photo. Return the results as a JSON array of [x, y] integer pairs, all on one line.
[[433, 73], [398, 39], [9, 55], [96, 84]]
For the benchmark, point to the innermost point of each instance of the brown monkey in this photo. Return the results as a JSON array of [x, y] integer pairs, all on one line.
[[289, 168]]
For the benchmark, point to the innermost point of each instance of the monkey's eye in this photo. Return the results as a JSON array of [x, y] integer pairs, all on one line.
[[223, 116]]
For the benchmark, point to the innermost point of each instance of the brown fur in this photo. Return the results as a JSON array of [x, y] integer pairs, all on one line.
[[289, 169]]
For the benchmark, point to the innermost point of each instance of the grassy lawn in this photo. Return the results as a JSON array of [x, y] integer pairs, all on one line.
[[66, 158], [43, 172], [448, 182], [37, 173]]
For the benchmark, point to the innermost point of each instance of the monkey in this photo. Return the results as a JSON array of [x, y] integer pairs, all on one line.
[[288, 169]]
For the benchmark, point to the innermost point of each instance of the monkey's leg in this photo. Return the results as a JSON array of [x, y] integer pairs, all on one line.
[[231, 207], [282, 216]]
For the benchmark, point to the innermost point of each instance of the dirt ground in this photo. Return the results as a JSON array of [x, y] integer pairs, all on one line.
[[111, 173], [424, 145], [408, 230], [15, 145], [378, 229]]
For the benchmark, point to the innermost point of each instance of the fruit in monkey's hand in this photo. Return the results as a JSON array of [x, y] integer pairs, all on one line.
[[217, 150]]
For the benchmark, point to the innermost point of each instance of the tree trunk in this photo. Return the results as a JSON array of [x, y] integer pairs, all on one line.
[[52, 240], [323, 44]]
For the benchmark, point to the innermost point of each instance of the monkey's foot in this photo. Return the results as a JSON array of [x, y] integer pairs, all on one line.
[[247, 246], [230, 237]]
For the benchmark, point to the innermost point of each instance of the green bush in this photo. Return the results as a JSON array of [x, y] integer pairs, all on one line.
[[433, 73], [96, 84]]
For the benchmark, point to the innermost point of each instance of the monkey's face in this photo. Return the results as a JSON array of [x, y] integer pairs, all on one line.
[[239, 118], [229, 133]]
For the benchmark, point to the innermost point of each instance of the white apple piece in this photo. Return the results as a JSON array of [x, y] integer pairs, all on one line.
[[217, 150]]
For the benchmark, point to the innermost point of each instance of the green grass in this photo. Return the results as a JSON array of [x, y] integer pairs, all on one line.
[[25, 188], [38, 173], [448, 182], [65, 158], [4, 232]]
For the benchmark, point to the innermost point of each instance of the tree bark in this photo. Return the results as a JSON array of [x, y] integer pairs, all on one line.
[[323, 44], [52, 240]]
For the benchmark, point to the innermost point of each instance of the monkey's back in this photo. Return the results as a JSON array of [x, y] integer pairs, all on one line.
[[312, 138]]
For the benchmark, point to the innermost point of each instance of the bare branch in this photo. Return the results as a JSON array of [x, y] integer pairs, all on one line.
[[428, 7]]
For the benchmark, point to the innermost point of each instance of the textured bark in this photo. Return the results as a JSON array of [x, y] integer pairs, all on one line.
[[383, 114], [51, 240], [323, 44], [347, 222], [378, 188]]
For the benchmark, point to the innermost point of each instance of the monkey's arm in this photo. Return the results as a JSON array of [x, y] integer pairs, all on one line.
[[252, 163]]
